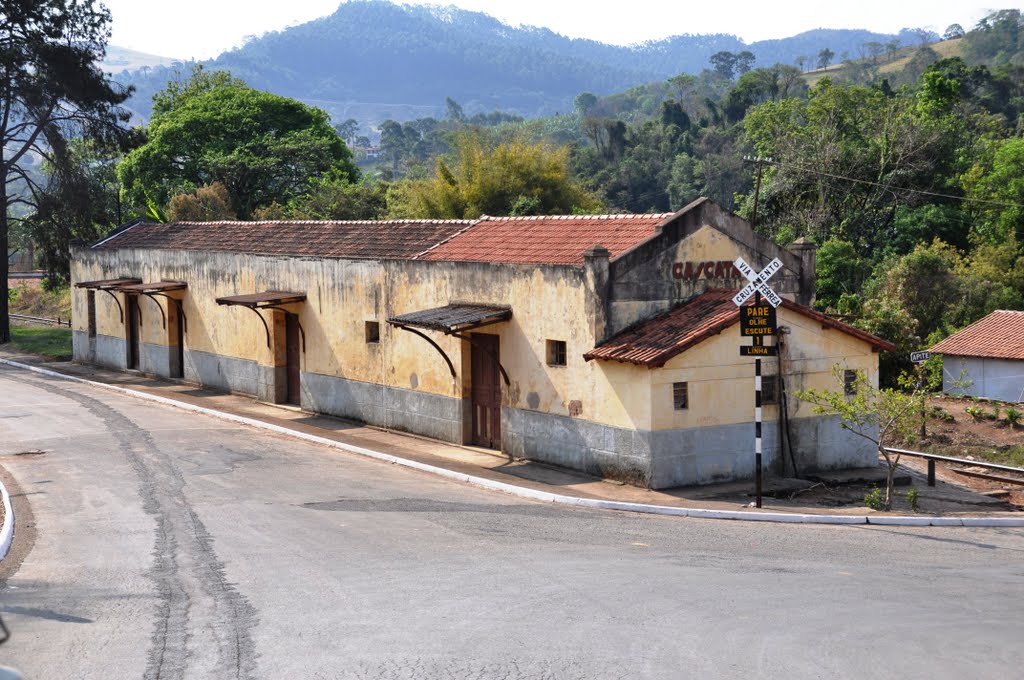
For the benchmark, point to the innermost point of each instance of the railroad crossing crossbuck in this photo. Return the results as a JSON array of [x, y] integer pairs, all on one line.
[[758, 284]]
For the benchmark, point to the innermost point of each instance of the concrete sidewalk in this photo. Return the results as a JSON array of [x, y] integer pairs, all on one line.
[[958, 506]]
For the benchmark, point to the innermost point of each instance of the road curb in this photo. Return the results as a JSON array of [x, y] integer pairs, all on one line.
[[535, 494], [7, 532]]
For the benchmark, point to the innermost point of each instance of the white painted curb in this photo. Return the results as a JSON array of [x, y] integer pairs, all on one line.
[[522, 492], [7, 532]]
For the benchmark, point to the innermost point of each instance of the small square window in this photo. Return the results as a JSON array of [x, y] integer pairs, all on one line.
[[372, 331], [680, 396], [849, 382], [770, 389], [556, 352]]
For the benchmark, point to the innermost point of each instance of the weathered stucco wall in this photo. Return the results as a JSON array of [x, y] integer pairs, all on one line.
[[694, 254], [611, 419], [1000, 379]]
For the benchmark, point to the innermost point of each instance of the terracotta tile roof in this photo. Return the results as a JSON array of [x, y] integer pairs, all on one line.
[[396, 239], [653, 342], [1000, 335], [559, 239]]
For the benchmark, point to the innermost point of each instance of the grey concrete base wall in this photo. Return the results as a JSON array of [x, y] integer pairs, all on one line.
[[82, 347], [706, 455], [610, 452], [102, 350], [430, 415], [229, 373], [684, 457], [820, 444], [155, 359], [998, 379]]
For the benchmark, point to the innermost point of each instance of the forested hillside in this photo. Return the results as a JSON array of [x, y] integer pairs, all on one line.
[[905, 167], [373, 60]]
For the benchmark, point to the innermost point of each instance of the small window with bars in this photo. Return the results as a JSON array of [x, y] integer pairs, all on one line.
[[680, 396], [770, 389], [556, 352], [849, 382]]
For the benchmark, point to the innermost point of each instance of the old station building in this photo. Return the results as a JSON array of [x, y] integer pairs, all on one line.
[[603, 343]]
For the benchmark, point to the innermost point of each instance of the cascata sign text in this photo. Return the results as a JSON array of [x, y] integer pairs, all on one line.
[[689, 271]]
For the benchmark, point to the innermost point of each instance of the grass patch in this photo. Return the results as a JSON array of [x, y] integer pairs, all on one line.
[[49, 342], [1014, 457]]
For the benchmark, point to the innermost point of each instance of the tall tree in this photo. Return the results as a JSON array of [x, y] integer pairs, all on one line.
[[261, 146], [825, 57], [493, 177], [51, 89]]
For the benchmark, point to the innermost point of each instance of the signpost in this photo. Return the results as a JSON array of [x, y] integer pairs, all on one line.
[[918, 357], [757, 321]]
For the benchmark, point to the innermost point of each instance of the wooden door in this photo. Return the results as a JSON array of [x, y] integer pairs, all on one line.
[[132, 322], [179, 329], [292, 358], [486, 391]]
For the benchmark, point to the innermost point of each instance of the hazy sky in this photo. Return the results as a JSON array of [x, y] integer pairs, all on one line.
[[202, 29]]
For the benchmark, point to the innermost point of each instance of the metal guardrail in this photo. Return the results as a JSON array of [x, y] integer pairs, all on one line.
[[37, 319], [932, 457]]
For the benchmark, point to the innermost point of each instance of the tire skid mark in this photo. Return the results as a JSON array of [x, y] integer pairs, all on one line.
[[192, 590]]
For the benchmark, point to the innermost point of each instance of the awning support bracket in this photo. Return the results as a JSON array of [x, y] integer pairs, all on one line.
[[302, 332], [451, 367], [163, 316], [120, 309]]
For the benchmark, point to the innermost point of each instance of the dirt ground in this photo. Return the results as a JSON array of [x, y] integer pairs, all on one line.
[[983, 439]]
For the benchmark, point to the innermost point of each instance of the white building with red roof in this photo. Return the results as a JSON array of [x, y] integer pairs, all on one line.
[[986, 359], [604, 343]]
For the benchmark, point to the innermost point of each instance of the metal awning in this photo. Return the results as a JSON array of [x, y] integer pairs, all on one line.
[[153, 288], [159, 288], [271, 299], [265, 300], [107, 284], [454, 318]]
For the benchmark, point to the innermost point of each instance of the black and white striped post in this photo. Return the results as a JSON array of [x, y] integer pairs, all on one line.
[[757, 321]]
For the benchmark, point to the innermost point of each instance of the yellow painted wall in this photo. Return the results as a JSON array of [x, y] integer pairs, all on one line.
[[721, 382], [548, 302]]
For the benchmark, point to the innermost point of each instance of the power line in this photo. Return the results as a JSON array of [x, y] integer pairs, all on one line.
[[822, 173]]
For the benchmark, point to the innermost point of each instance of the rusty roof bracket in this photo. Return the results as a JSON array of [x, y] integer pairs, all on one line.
[[120, 309], [262, 320], [486, 351], [177, 303], [451, 366], [163, 316], [302, 332]]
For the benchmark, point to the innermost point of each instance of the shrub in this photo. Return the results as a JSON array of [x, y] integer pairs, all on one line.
[[1013, 416], [875, 499], [912, 498], [975, 412]]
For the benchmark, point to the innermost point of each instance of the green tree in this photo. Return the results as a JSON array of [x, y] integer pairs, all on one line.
[[262, 147], [81, 202], [884, 417], [51, 89], [724, 64], [490, 177], [584, 102], [331, 198], [825, 57], [840, 270]]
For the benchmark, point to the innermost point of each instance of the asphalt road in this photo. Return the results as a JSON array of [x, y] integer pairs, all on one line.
[[155, 543]]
